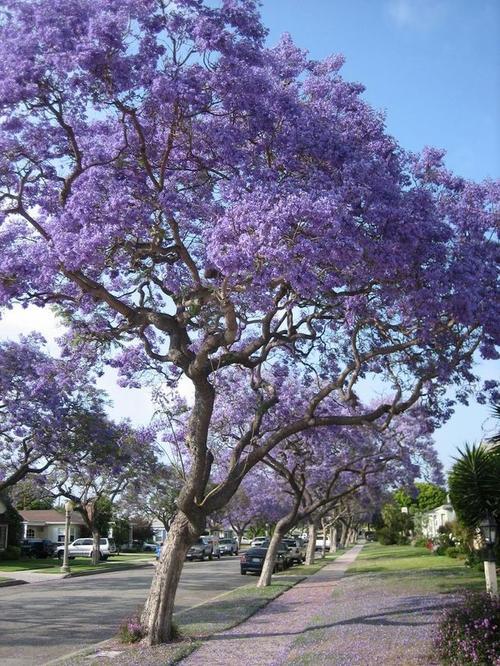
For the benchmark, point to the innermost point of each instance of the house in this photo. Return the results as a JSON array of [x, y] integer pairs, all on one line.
[[431, 521], [50, 524], [10, 521], [159, 531]]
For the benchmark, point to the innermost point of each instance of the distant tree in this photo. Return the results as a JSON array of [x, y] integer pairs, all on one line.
[[110, 462], [31, 493], [403, 498], [429, 496], [121, 531], [153, 495]]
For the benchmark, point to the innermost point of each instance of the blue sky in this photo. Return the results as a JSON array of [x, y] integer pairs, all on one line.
[[434, 67]]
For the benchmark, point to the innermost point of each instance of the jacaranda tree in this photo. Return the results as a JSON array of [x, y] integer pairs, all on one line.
[[199, 204], [43, 402]]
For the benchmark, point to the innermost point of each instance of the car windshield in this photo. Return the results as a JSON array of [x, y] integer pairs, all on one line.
[[226, 541]]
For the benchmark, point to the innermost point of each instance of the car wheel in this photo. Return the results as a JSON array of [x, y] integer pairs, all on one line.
[[60, 555], [104, 557], [243, 573]]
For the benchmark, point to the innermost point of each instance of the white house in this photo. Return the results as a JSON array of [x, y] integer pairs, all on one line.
[[159, 531], [50, 524], [431, 521]]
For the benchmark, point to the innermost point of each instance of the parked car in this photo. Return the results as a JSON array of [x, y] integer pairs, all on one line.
[[205, 546], [228, 546], [149, 547], [39, 548], [296, 548], [258, 541], [84, 548], [253, 560]]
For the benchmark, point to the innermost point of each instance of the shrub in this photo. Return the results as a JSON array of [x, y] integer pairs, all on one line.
[[10, 553], [130, 630], [386, 536], [455, 553], [421, 542], [402, 540], [469, 632]]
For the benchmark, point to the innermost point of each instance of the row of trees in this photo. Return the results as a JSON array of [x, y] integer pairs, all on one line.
[[198, 205]]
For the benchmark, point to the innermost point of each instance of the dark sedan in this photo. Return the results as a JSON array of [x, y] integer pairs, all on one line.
[[253, 560]]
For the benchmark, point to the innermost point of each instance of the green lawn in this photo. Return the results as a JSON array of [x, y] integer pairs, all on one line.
[[407, 565], [79, 564], [309, 569]]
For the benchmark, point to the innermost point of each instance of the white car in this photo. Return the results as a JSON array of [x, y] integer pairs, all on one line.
[[84, 547], [259, 541]]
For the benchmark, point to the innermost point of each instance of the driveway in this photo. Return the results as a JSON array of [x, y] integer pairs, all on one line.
[[45, 620]]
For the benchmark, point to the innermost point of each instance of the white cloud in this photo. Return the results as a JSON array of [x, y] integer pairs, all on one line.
[[417, 14], [21, 321]]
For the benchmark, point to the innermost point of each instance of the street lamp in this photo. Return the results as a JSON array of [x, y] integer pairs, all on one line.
[[68, 507], [488, 529]]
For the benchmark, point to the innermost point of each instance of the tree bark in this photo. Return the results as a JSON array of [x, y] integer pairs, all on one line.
[[96, 542], [333, 539], [156, 618], [324, 526], [343, 534], [311, 545], [280, 530]]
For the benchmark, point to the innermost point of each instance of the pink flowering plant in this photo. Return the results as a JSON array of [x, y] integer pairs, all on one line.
[[131, 630], [469, 631]]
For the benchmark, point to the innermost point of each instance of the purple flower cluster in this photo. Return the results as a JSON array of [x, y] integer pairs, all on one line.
[[469, 631], [131, 630]]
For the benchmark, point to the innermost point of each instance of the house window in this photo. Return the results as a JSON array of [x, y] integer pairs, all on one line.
[[30, 533], [3, 536]]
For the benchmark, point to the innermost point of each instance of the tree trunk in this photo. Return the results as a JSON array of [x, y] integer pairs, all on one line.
[[311, 545], [343, 534], [323, 547], [156, 618], [280, 530], [333, 539], [96, 542]]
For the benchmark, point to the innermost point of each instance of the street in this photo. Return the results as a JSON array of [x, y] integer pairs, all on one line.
[[42, 621]]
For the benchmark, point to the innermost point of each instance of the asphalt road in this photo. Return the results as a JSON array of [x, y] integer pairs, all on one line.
[[43, 621]]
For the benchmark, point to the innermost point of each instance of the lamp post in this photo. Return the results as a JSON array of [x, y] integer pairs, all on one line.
[[68, 507], [488, 529]]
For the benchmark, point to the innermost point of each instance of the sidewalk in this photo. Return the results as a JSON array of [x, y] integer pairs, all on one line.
[[266, 638], [365, 619]]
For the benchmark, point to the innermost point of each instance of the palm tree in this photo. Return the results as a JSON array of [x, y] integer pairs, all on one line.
[[474, 483]]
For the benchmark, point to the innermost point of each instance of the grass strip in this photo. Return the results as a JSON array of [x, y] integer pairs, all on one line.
[[80, 564]]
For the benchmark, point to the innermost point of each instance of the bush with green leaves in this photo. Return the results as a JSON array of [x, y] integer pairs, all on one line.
[[469, 631], [10, 553]]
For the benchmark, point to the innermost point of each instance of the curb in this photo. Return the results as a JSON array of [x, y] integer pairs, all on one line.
[[79, 574], [11, 583]]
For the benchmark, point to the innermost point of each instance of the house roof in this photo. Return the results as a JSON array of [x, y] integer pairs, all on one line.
[[49, 516]]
